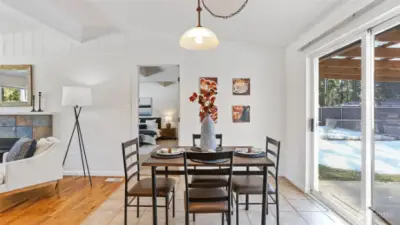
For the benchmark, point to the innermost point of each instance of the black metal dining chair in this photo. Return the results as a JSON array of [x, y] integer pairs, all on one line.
[[207, 199], [142, 188], [207, 181], [253, 185]]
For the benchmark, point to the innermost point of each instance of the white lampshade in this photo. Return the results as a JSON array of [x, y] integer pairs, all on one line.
[[168, 119], [76, 96], [199, 38]]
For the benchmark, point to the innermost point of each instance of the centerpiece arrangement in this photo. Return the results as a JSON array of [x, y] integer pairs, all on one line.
[[208, 112]]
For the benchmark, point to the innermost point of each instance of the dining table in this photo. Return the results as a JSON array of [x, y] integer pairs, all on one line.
[[261, 162]]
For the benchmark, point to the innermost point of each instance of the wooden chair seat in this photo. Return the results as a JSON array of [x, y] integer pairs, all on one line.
[[208, 207], [143, 187], [250, 185], [205, 181]]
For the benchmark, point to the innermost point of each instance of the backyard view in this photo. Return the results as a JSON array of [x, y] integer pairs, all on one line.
[[340, 146]]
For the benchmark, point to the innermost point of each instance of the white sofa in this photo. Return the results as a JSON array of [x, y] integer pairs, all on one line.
[[39, 169]]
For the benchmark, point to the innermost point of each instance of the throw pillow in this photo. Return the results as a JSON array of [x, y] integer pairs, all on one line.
[[42, 145], [16, 148], [27, 150], [151, 124], [53, 139], [151, 121], [142, 126], [31, 150]]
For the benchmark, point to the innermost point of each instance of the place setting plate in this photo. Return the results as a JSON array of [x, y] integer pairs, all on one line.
[[218, 149], [250, 152], [168, 153], [198, 149]]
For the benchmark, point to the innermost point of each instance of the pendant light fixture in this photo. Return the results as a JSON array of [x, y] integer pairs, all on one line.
[[199, 38]]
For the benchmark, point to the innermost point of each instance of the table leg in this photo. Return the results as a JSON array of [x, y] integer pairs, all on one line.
[[264, 196], [247, 196], [153, 188]]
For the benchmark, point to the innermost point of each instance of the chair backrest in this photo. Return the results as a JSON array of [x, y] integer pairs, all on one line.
[[198, 136], [273, 154], [225, 170], [130, 150]]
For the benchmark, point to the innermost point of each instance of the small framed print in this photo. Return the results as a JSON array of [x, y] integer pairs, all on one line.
[[241, 86], [241, 114]]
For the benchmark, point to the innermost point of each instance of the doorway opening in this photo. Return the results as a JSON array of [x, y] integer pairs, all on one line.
[[158, 107]]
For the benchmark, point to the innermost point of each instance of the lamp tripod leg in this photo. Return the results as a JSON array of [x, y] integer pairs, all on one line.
[[82, 146], [69, 144], [72, 135]]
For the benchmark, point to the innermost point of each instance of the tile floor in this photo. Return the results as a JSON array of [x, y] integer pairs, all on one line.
[[295, 209]]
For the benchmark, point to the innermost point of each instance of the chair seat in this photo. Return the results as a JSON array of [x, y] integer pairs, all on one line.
[[207, 207], [143, 187], [204, 181], [250, 185]]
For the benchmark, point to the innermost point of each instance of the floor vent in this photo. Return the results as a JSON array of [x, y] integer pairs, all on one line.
[[114, 180]]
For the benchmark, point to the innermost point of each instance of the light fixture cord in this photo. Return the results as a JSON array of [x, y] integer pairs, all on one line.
[[198, 14]]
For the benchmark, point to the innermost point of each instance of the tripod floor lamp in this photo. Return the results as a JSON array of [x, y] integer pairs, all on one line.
[[77, 97]]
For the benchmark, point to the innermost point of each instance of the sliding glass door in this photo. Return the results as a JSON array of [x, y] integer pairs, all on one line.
[[356, 143], [386, 147], [339, 126]]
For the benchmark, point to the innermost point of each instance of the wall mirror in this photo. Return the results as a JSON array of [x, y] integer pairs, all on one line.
[[15, 85]]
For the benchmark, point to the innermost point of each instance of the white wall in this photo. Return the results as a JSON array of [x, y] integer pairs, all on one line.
[[296, 161], [165, 100], [109, 66]]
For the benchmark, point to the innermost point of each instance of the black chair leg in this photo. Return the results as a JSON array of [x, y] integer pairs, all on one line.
[[166, 209], [194, 216], [228, 218], [247, 202], [277, 208], [232, 203], [173, 202], [126, 210], [186, 218], [223, 219], [137, 206], [237, 209]]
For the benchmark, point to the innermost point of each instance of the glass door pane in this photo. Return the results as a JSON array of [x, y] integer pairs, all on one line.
[[339, 130], [386, 161]]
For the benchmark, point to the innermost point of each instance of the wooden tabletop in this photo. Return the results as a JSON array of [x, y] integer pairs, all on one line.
[[237, 161]]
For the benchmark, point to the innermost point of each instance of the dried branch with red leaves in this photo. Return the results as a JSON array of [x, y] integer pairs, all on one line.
[[206, 98]]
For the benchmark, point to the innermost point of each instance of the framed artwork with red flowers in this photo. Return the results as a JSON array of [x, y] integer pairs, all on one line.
[[241, 113], [207, 83], [206, 97]]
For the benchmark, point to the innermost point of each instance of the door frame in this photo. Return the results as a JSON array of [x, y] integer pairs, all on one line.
[[137, 86]]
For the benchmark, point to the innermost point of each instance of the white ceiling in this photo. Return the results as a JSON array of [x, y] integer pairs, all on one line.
[[262, 21]]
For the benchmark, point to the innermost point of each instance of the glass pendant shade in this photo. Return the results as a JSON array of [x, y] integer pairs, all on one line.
[[199, 38]]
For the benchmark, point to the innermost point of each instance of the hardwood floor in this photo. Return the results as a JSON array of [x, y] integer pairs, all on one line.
[[77, 200]]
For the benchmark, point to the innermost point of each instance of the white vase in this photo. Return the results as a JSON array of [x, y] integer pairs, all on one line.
[[208, 140]]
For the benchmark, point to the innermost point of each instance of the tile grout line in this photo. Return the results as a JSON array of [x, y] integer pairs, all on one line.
[[298, 213]]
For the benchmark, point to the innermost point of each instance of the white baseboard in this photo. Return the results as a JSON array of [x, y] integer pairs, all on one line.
[[99, 173]]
